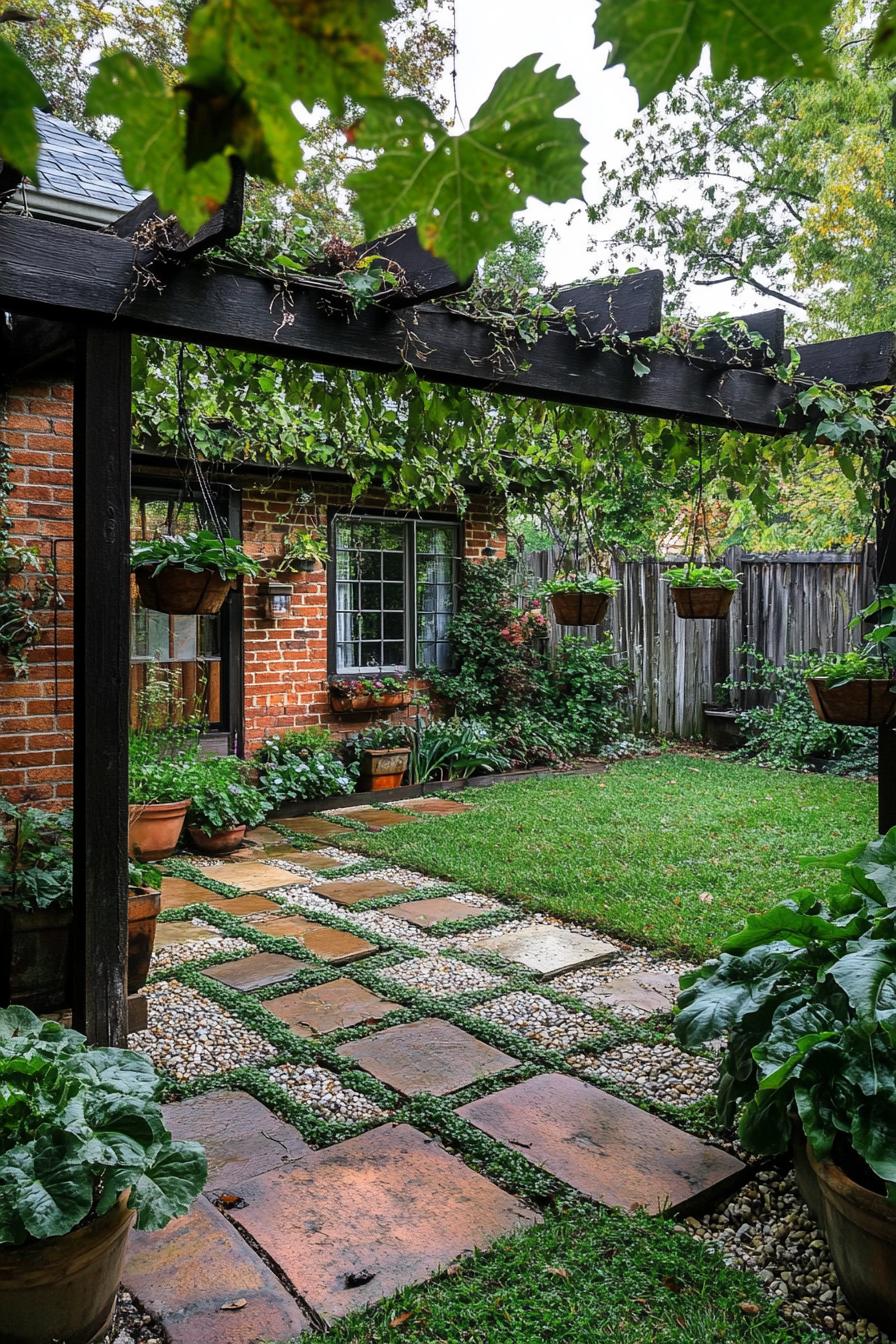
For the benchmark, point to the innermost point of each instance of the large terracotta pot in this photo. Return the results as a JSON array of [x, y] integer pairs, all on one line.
[[702, 604], [219, 842], [144, 904], [383, 768], [867, 702], [575, 608], [64, 1288], [180, 592], [861, 1230], [154, 828]]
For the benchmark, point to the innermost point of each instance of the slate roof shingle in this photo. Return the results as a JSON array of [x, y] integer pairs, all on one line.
[[78, 167]]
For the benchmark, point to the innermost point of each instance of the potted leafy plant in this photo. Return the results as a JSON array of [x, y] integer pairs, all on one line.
[[580, 599], [805, 995], [379, 690], [859, 687], [83, 1153], [302, 550], [191, 574], [223, 803], [382, 752], [144, 904], [158, 793], [701, 592]]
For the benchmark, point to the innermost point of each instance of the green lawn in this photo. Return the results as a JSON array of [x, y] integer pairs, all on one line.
[[670, 850]]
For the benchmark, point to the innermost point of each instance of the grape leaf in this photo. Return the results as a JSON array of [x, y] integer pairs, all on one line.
[[658, 40], [465, 189], [20, 93], [152, 139]]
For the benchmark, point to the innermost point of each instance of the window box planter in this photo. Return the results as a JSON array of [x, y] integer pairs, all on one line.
[[579, 608], [860, 1225], [154, 828], [702, 604], [340, 703], [219, 842], [720, 729], [181, 592], [383, 768], [864, 702]]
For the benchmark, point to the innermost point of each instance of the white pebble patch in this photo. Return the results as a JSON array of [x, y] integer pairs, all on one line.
[[166, 958], [189, 1036], [324, 1093], [657, 1072], [441, 975], [539, 1019]]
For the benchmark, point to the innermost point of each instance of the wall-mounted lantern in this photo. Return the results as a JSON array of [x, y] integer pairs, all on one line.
[[277, 599]]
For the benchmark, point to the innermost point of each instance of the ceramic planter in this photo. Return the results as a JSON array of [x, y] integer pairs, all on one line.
[[702, 604], [64, 1287], [861, 1230], [578, 608], [383, 768], [154, 828], [866, 702], [357, 704], [219, 842], [180, 592]]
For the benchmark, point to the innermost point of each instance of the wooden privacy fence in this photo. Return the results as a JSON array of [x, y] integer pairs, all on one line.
[[787, 603]]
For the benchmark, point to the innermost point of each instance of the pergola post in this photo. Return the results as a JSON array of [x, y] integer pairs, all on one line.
[[101, 506], [886, 573]]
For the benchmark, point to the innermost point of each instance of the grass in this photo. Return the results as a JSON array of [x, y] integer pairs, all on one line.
[[588, 1275], [670, 850]]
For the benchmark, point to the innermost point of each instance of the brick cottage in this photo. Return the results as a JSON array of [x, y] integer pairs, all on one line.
[[383, 600]]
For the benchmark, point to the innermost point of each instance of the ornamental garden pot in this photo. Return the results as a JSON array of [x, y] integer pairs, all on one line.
[[182, 592], [702, 604], [383, 768], [865, 702], [64, 1288], [860, 1226], [219, 842], [154, 828], [579, 608]]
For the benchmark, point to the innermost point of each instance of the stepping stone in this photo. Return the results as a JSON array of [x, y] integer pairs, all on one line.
[[264, 968], [265, 836], [175, 933], [351, 1224], [242, 905], [241, 1137], [548, 950], [323, 1008], [375, 819], [353, 890], [607, 1149], [317, 827], [436, 807], [188, 1273], [241, 855], [253, 876], [426, 1056], [332, 945], [645, 991], [424, 914], [177, 892], [310, 858]]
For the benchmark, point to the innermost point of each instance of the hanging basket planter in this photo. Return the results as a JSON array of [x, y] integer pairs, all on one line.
[[574, 608], [180, 592], [864, 702], [702, 604], [189, 575]]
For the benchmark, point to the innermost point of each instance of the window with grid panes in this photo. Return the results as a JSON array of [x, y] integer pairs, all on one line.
[[394, 592]]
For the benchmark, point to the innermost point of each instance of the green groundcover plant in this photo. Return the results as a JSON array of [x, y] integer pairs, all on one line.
[[580, 583], [35, 857], [222, 795], [701, 576], [194, 551], [78, 1127], [806, 995], [288, 769]]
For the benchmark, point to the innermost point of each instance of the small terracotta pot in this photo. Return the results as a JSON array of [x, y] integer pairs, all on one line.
[[861, 1230], [383, 768], [867, 702], [154, 828], [219, 842], [574, 608], [144, 904], [180, 592], [702, 604], [64, 1287]]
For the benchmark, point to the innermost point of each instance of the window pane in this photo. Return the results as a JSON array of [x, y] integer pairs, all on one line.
[[346, 565], [393, 566], [370, 624], [393, 625], [346, 655], [442, 622], [393, 653], [393, 596], [184, 642], [370, 597], [369, 563], [435, 540], [436, 552], [443, 658], [345, 594], [435, 569], [426, 654], [372, 551], [426, 625], [371, 655]]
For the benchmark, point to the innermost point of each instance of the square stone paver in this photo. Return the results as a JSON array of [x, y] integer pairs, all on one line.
[[332, 945], [317, 827], [265, 837], [241, 1137], [173, 933], [436, 807], [424, 914], [178, 892], [252, 876], [644, 991], [189, 1272], [308, 858], [341, 1003], [613, 1152], [548, 950], [250, 904], [351, 891], [427, 1056], [353, 1223], [264, 968], [375, 819]]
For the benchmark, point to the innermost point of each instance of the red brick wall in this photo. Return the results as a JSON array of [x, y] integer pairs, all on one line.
[[36, 711]]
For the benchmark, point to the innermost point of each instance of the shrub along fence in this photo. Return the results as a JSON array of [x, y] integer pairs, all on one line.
[[787, 603]]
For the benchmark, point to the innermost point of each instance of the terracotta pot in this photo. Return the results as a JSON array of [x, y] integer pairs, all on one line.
[[702, 604], [867, 702], [144, 904], [861, 1230], [356, 704], [575, 608], [35, 959], [64, 1288], [803, 1170], [180, 592], [154, 828], [383, 768], [219, 842]]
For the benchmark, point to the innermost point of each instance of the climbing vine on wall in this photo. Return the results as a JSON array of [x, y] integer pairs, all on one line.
[[25, 583]]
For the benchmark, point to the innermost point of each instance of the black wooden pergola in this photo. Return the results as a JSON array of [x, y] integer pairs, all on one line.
[[60, 284]]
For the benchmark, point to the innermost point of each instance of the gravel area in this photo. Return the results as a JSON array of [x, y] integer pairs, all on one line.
[[543, 1022], [588, 984], [767, 1229], [131, 1325], [189, 1036], [657, 1072], [324, 1093], [166, 958], [441, 975]]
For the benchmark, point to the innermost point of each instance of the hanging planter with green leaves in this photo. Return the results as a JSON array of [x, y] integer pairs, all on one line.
[[702, 592], [189, 575]]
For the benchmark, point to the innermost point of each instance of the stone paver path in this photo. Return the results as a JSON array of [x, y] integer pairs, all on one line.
[[436, 807], [251, 875], [644, 992], [330, 1007], [548, 950], [241, 1137], [178, 892], [265, 968], [375, 819], [426, 1056], [424, 914], [317, 827], [332, 945], [173, 933], [351, 891]]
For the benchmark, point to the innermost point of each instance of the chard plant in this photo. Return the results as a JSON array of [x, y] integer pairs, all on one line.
[[196, 552], [701, 576]]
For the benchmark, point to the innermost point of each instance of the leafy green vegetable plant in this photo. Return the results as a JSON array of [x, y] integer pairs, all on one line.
[[876, 659], [78, 1128], [377, 737], [805, 994], [701, 576], [35, 857], [158, 779], [222, 795], [195, 551], [289, 771], [580, 583], [143, 875]]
